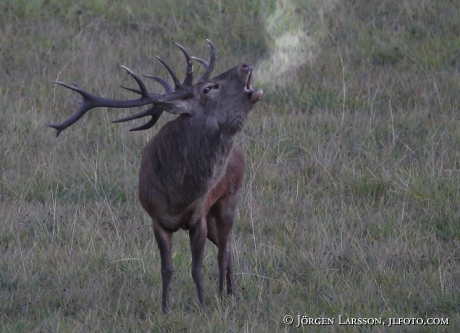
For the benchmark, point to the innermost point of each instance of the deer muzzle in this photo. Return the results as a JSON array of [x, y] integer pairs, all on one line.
[[255, 94]]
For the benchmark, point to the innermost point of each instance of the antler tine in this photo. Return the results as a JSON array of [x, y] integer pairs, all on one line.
[[211, 65], [144, 91], [173, 75], [164, 83], [188, 81], [153, 111], [137, 91], [201, 61], [144, 113], [150, 123]]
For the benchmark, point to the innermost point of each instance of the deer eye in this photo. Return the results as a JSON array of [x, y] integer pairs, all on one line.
[[208, 89]]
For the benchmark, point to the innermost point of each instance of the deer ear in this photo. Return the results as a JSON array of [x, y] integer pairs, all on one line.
[[178, 106]]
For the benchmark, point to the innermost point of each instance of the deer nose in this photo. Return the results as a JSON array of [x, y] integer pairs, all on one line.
[[247, 68]]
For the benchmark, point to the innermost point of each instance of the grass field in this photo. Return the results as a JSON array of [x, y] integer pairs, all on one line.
[[351, 201]]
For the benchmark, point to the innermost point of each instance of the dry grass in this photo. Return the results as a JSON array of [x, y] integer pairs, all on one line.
[[352, 189]]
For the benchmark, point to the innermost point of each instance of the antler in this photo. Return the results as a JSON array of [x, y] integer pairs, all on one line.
[[155, 111], [209, 67], [90, 101]]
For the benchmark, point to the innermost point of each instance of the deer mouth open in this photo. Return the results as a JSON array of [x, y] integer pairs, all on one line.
[[254, 94], [249, 82]]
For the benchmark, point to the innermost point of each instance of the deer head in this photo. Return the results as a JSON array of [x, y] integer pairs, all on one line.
[[191, 171], [183, 99]]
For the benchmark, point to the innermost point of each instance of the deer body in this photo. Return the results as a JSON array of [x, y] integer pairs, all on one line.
[[175, 179], [191, 171], [202, 201]]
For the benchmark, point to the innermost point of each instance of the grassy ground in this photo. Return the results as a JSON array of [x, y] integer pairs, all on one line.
[[351, 197]]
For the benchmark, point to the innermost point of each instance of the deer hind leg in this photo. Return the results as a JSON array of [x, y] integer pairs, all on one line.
[[230, 274], [197, 236], [224, 255], [164, 241]]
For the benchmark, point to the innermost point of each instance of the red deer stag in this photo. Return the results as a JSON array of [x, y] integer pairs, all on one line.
[[191, 170]]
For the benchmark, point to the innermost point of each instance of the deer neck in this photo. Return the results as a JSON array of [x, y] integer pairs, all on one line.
[[190, 157]]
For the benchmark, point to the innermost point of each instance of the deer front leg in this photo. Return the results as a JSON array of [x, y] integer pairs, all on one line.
[[163, 238], [197, 236]]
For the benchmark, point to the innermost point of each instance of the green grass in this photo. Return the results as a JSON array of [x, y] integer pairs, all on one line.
[[351, 196]]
